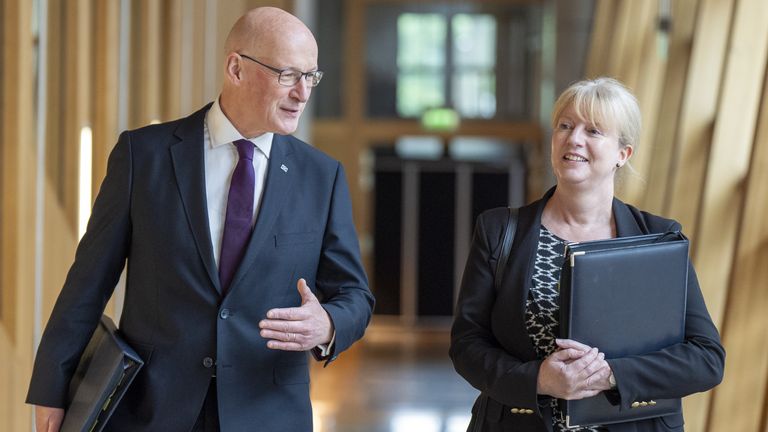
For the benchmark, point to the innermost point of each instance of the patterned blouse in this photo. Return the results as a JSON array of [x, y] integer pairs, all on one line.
[[542, 310]]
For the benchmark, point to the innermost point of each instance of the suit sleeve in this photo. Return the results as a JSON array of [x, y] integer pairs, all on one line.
[[99, 260], [695, 365], [476, 353], [341, 278]]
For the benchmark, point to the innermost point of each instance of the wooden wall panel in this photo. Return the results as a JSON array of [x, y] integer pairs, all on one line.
[[106, 24], [699, 106], [729, 156], [145, 75], [664, 142], [743, 391], [17, 232], [644, 73], [731, 147], [3, 108], [172, 59], [603, 27], [697, 166], [629, 40]]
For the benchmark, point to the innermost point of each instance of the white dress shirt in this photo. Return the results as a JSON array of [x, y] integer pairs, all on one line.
[[220, 160]]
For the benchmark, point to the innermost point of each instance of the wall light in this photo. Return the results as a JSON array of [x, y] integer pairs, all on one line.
[[86, 176]]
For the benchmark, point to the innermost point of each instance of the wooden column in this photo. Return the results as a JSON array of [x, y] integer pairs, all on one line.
[[18, 171], [647, 80], [145, 63], [603, 28], [663, 139], [699, 106], [172, 58], [744, 326], [729, 159], [106, 50]]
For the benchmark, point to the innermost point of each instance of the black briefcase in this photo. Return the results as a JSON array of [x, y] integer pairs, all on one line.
[[106, 369], [625, 296]]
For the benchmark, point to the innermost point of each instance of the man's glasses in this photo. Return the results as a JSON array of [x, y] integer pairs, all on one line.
[[289, 77]]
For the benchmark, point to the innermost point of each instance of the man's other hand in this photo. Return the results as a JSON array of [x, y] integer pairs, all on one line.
[[299, 328]]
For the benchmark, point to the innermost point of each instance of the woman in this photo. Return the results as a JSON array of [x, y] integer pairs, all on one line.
[[503, 342]]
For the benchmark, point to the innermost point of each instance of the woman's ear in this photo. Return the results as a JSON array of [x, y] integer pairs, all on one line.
[[624, 154]]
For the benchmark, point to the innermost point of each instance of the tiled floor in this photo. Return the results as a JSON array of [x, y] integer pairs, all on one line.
[[397, 379]]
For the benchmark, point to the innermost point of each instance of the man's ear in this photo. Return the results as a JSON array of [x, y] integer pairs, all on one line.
[[233, 68]]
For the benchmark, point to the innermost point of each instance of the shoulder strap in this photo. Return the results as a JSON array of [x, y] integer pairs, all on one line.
[[506, 246]]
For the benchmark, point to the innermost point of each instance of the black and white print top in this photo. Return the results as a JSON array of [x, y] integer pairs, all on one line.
[[542, 310]]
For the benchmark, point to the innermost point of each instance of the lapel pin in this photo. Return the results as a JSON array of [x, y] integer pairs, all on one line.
[[284, 168]]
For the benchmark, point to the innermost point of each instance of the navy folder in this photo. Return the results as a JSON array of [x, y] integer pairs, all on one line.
[[625, 296], [106, 369]]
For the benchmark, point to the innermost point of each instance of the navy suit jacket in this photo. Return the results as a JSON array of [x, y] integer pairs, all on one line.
[[151, 211], [491, 348]]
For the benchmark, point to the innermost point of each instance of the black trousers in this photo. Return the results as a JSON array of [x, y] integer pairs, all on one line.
[[208, 420]]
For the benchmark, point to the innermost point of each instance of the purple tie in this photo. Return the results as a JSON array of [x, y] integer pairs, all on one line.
[[237, 226]]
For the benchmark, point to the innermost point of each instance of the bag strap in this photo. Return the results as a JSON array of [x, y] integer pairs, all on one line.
[[479, 417], [506, 246]]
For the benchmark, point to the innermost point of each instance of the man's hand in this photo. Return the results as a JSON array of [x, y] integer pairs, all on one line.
[[576, 371], [48, 419], [298, 328]]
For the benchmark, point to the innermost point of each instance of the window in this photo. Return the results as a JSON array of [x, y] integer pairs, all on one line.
[[421, 62], [425, 65], [474, 52]]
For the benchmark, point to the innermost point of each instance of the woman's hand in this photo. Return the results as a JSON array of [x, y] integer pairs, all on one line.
[[575, 371]]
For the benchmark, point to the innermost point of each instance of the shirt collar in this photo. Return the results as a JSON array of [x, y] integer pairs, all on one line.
[[221, 131]]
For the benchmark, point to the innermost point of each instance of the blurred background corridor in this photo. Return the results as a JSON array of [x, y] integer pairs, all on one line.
[[438, 109]]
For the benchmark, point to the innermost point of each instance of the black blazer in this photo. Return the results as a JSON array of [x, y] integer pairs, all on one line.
[[491, 349], [152, 211]]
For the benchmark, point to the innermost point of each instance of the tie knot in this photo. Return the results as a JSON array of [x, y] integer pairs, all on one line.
[[245, 149]]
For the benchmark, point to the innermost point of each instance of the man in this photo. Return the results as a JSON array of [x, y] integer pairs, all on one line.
[[229, 227]]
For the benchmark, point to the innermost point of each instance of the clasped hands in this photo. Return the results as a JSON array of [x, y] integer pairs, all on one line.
[[298, 328], [574, 371]]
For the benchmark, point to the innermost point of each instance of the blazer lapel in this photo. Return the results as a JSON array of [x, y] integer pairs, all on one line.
[[626, 224], [280, 174], [519, 273], [189, 168]]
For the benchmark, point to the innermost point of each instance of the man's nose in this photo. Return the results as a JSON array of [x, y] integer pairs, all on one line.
[[302, 89]]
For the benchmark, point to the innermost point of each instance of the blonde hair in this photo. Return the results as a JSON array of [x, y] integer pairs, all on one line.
[[604, 102]]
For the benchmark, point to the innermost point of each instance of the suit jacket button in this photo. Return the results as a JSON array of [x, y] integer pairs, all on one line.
[[529, 411], [514, 410], [208, 362], [635, 404], [224, 314], [643, 404], [652, 403]]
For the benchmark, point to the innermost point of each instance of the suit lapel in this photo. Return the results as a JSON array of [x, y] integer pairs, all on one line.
[[189, 168], [280, 174]]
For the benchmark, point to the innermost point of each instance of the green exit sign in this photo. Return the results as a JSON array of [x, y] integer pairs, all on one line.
[[440, 120]]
